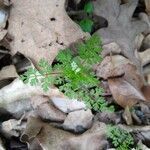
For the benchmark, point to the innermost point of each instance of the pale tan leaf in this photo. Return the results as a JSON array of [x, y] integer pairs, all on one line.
[[40, 28], [8, 72]]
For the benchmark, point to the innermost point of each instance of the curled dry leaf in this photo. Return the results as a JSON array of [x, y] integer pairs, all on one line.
[[124, 93], [111, 66], [36, 29]]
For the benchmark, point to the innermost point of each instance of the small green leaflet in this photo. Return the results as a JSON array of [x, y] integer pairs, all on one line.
[[88, 7], [86, 25], [42, 76]]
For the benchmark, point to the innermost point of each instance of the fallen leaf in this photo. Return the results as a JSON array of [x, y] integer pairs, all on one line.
[[146, 92], [119, 17], [133, 76], [124, 93], [111, 66], [41, 27]]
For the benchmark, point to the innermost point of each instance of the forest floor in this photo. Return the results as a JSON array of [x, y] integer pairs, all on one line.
[[75, 75]]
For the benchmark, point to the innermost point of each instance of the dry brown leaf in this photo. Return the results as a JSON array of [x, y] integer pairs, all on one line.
[[124, 93], [111, 66], [132, 76], [40, 28], [146, 92]]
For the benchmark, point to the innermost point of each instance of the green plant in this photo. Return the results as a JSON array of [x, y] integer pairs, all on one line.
[[88, 7], [121, 139], [87, 23], [73, 74]]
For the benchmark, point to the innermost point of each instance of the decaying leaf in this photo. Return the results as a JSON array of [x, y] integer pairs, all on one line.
[[37, 35], [120, 21], [124, 93], [133, 76], [111, 66]]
